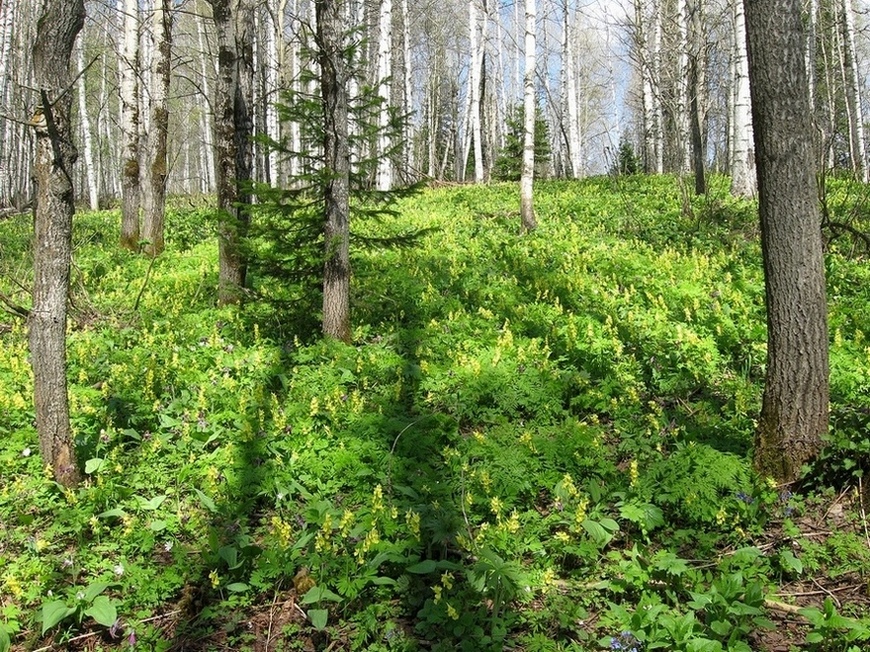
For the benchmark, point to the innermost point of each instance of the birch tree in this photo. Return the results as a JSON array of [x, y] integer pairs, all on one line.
[[128, 64], [85, 123], [857, 144], [474, 82], [527, 209], [743, 178], [569, 68], [59, 23], [384, 176], [156, 165]]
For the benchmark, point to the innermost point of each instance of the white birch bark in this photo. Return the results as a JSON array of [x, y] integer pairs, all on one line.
[[408, 162], [205, 117], [575, 146], [681, 110], [384, 178], [857, 145], [743, 177], [7, 21], [272, 73], [128, 65], [85, 124], [658, 108], [527, 209], [474, 79]]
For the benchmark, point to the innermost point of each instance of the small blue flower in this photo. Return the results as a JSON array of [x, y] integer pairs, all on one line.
[[744, 497]]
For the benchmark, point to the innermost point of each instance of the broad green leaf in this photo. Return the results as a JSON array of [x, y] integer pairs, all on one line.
[[54, 612], [157, 525], [113, 513], [721, 627], [103, 611], [424, 567], [207, 502], [318, 593], [230, 554], [94, 589], [384, 581], [318, 618], [152, 504], [237, 587], [94, 464], [5, 641], [790, 563], [597, 532]]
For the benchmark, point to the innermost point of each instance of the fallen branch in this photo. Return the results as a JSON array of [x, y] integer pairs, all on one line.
[[782, 607], [14, 308]]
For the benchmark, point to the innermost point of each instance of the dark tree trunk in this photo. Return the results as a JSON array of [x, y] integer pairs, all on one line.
[[697, 135], [233, 131], [56, 32], [794, 413], [333, 83]]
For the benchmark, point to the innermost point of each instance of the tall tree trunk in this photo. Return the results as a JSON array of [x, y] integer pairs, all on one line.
[[128, 63], [156, 168], [474, 81], [743, 178], [695, 90], [857, 145], [91, 176], [794, 413], [408, 158], [384, 180], [658, 108], [205, 124], [333, 84], [575, 155], [527, 208], [58, 26], [234, 128]]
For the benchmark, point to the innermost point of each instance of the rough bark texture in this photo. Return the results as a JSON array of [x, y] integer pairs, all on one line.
[[233, 130], [157, 164], [794, 412], [333, 82], [58, 26]]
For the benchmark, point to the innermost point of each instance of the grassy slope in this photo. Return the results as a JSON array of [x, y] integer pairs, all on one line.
[[530, 438]]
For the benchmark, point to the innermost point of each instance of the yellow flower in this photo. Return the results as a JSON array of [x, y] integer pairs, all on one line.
[[215, 579], [412, 518], [437, 591], [447, 580], [495, 505], [282, 531], [13, 585], [377, 499], [512, 525], [346, 522], [633, 473], [451, 611], [721, 515], [563, 537], [548, 580]]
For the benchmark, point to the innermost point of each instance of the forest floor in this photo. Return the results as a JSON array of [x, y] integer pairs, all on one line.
[[534, 442]]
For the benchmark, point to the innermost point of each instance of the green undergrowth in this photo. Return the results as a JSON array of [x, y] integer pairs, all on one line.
[[535, 442]]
